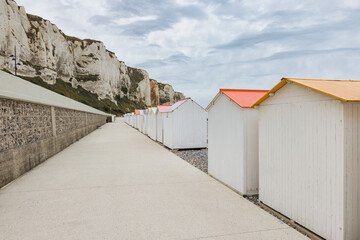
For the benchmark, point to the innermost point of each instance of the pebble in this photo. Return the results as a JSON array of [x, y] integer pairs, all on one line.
[[196, 157]]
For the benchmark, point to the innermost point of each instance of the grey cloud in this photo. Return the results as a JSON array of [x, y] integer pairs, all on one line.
[[173, 59], [300, 53], [278, 28], [295, 54], [311, 34], [151, 64], [178, 58], [166, 13], [100, 20]]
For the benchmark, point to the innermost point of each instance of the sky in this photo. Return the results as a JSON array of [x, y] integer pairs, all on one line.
[[199, 46]]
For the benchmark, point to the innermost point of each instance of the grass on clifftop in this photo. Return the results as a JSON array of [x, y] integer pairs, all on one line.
[[91, 99]]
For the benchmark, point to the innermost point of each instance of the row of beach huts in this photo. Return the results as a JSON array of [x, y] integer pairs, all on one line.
[[179, 126], [297, 146]]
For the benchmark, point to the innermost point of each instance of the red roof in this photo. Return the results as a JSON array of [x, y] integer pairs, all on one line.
[[177, 104], [163, 108], [245, 98], [137, 112]]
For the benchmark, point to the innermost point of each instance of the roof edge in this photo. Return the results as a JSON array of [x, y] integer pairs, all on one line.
[[318, 90], [273, 90], [213, 101], [285, 80], [243, 90]]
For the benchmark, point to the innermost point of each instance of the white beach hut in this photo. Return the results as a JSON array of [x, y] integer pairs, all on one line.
[[152, 123], [141, 120], [144, 121], [160, 115], [233, 139], [132, 119], [127, 118], [309, 154], [137, 119], [146, 126], [185, 125]]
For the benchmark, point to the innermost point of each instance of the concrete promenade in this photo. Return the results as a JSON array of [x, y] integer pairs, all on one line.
[[117, 183]]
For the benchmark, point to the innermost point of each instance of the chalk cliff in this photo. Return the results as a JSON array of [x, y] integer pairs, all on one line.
[[45, 51]]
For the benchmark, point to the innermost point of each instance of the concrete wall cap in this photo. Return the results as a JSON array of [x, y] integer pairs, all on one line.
[[12, 87]]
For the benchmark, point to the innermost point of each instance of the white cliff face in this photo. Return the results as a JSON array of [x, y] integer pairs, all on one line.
[[45, 51]]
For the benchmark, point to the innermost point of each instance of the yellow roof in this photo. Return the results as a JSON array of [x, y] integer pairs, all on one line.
[[345, 90]]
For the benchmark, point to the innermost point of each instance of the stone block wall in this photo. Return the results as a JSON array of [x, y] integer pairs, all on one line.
[[31, 133], [23, 123]]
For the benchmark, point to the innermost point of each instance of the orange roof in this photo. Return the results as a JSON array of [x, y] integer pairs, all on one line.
[[245, 98], [345, 90], [137, 112]]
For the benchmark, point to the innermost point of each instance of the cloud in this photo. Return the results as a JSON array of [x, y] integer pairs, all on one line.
[[199, 46], [314, 32], [300, 53], [173, 59], [138, 18], [100, 20]]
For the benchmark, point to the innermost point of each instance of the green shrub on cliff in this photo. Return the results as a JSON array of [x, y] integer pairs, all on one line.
[[79, 94]]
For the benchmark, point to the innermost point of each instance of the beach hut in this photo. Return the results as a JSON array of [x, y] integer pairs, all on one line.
[[141, 120], [233, 139], [152, 123], [309, 154], [143, 125], [160, 115], [132, 118], [127, 118], [185, 125], [137, 119], [146, 121]]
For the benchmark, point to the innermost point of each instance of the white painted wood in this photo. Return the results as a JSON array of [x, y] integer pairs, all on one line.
[[141, 123], [251, 151], [131, 117], [152, 127], [352, 170], [160, 126], [233, 145], [132, 120], [302, 158], [185, 127], [168, 126], [145, 124], [137, 121]]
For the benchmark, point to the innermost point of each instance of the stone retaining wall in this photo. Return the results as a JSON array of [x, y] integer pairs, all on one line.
[[31, 133]]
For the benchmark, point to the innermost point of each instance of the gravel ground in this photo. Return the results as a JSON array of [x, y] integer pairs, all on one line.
[[254, 199], [197, 157]]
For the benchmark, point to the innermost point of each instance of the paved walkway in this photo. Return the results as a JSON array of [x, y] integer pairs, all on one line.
[[118, 184]]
